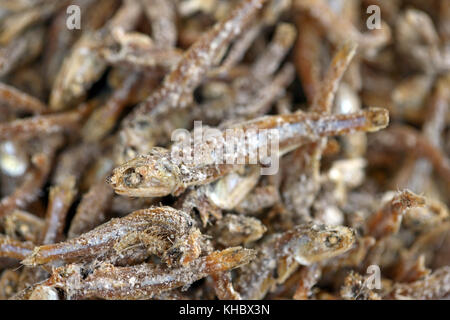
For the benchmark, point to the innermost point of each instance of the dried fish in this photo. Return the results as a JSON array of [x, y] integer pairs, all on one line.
[[14, 24], [223, 194], [339, 30], [305, 244], [158, 174], [162, 231], [142, 281], [13, 159]]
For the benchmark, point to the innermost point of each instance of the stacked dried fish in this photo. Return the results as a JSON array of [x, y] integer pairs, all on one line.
[[99, 201]]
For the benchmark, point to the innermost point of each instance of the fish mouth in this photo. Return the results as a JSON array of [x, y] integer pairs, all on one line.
[[324, 256], [111, 180], [141, 192]]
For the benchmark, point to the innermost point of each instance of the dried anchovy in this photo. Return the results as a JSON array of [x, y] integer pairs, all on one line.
[[339, 30], [307, 55], [304, 244], [14, 160], [423, 248], [158, 174], [356, 255], [432, 129], [60, 38], [142, 281], [406, 138], [14, 24], [163, 231], [103, 119], [223, 194]]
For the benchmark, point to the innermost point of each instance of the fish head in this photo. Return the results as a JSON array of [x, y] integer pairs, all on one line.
[[151, 175]]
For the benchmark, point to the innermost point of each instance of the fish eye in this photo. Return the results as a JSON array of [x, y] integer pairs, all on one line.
[[332, 240], [132, 178]]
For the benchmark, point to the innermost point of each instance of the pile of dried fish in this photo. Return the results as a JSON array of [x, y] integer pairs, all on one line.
[[99, 201]]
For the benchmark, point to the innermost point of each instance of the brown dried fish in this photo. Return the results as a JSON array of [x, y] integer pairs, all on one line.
[[305, 244], [159, 174], [142, 281], [163, 231]]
